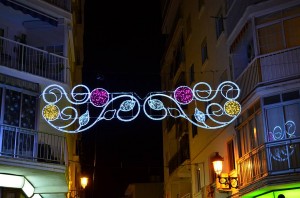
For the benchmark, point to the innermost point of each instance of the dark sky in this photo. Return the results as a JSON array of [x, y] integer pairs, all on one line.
[[123, 47]]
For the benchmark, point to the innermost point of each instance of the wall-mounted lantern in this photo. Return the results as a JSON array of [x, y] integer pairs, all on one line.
[[231, 182], [77, 193]]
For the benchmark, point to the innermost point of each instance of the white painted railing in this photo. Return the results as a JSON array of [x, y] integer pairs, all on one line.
[[32, 60]]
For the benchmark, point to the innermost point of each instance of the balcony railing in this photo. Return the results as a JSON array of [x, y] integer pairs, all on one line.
[[272, 158], [32, 60], [26, 144], [269, 68]]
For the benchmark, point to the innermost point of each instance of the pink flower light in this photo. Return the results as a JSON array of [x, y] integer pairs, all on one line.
[[183, 94], [99, 97]]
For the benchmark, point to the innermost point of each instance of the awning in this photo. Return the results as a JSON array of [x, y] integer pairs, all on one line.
[[34, 13]]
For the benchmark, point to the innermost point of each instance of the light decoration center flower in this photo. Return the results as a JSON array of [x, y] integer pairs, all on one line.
[[50, 112], [232, 108]]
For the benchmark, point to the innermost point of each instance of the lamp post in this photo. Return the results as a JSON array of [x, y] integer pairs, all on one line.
[[76, 193], [217, 161]]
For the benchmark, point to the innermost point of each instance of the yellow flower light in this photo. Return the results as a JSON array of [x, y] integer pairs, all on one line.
[[50, 112], [232, 108]]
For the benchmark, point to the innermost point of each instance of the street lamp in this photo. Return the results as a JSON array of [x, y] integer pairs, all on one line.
[[217, 161], [76, 193], [84, 182]]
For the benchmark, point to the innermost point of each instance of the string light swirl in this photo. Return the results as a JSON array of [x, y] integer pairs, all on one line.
[[280, 153], [62, 110]]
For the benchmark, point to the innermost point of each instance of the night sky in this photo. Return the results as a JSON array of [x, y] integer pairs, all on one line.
[[123, 48]]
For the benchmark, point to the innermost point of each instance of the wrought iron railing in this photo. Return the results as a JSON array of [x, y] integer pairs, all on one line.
[[269, 68], [272, 158], [26, 144], [32, 60]]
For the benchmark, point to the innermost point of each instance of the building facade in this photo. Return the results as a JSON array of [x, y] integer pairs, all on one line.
[[253, 43], [40, 44]]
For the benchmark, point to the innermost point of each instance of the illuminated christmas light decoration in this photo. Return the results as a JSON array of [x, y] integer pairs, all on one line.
[[282, 153], [214, 112], [61, 110]]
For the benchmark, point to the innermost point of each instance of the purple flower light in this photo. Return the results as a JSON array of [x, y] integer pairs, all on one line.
[[99, 97], [183, 94]]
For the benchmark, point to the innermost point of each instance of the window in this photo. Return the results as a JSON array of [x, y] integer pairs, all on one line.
[[250, 130], [219, 24], [278, 30], [204, 53], [282, 118], [19, 119], [19, 109]]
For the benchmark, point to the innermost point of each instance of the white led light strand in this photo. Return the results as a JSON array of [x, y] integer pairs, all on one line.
[[126, 106], [280, 153], [231, 109]]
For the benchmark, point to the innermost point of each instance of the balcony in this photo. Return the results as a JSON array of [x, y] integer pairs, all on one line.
[[31, 146], [270, 68], [274, 162], [32, 60]]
